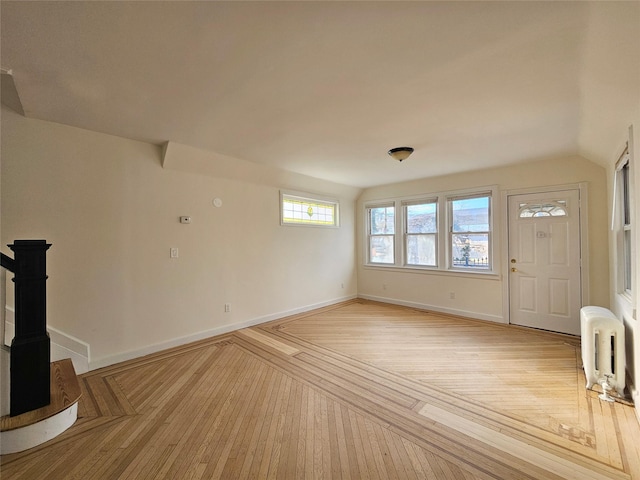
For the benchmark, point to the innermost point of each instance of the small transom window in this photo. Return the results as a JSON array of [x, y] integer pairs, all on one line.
[[550, 209], [308, 211]]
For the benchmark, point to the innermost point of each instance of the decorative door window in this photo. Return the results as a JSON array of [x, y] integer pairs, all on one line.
[[549, 209]]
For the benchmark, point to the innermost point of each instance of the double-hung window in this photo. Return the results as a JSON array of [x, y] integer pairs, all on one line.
[[421, 233], [623, 181], [626, 228], [381, 228], [470, 232]]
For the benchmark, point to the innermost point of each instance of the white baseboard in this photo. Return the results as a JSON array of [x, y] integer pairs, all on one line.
[[176, 342], [435, 308], [62, 345]]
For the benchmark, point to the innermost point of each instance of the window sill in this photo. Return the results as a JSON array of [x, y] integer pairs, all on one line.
[[485, 275], [625, 301]]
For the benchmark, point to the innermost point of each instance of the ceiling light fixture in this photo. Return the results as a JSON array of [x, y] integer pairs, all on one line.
[[400, 153]]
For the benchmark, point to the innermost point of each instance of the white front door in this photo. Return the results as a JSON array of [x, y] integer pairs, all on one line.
[[544, 261]]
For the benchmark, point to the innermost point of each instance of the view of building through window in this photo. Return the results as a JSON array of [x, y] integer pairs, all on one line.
[[444, 232], [381, 234], [470, 232], [421, 233]]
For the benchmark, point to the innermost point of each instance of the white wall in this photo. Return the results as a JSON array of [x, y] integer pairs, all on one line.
[[610, 105], [111, 212], [478, 296]]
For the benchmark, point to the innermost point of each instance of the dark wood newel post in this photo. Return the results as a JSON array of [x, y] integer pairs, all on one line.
[[30, 349]]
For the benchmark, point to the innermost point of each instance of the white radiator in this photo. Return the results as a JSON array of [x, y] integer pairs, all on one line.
[[602, 347]]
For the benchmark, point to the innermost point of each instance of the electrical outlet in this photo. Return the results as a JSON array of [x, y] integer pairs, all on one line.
[[452, 295], [384, 286], [342, 285], [227, 307]]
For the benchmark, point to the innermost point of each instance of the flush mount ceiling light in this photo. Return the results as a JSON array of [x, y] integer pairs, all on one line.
[[400, 153]]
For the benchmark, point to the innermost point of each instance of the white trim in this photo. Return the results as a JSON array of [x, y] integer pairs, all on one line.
[[485, 275], [435, 308], [176, 342]]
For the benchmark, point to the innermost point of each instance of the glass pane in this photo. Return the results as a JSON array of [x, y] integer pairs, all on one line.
[[382, 220], [626, 210], [422, 218], [381, 249], [308, 212], [421, 250], [470, 250], [551, 209], [470, 214], [627, 259]]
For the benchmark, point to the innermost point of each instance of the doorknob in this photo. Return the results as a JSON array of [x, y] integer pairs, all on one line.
[[513, 260], [514, 269]]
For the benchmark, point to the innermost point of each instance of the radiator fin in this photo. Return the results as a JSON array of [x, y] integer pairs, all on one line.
[[602, 347]]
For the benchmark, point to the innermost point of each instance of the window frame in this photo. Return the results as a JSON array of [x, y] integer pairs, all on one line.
[[624, 224], [488, 233], [407, 234], [312, 199], [443, 221], [370, 235]]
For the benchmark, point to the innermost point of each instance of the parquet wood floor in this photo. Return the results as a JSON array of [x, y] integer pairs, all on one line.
[[354, 391]]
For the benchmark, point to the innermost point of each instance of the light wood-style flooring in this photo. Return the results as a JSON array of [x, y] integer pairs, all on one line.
[[354, 391]]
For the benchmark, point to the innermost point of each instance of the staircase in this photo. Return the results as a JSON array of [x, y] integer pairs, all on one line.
[[43, 396], [32, 428]]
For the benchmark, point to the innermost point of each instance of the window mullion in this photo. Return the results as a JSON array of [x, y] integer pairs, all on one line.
[[399, 259], [443, 232]]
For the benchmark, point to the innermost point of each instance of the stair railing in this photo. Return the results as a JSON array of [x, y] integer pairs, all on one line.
[[31, 348]]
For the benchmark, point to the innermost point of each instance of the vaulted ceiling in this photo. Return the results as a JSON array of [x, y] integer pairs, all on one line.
[[326, 88]]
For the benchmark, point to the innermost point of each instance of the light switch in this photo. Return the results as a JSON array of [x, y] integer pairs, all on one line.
[[174, 252]]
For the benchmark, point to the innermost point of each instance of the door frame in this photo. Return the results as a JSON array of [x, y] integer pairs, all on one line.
[[584, 239]]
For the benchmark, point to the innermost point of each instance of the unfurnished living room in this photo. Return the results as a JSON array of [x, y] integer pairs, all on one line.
[[319, 239]]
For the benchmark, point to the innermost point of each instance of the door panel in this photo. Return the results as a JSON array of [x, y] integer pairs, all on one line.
[[528, 298], [527, 244], [544, 253], [559, 244], [559, 297]]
